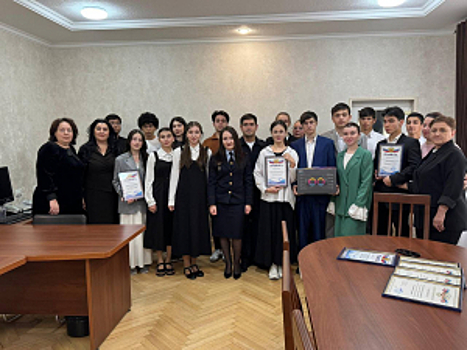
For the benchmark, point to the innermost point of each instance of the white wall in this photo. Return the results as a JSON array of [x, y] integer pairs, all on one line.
[[193, 80]]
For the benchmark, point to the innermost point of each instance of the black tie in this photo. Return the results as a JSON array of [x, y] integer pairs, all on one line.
[[231, 158]]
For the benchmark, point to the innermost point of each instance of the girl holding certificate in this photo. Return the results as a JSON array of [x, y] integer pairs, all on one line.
[[188, 200], [159, 224], [355, 171], [132, 209], [277, 199], [230, 196]]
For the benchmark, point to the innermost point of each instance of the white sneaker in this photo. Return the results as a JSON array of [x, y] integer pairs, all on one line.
[[216, 256], [279, 271], [273, 273]]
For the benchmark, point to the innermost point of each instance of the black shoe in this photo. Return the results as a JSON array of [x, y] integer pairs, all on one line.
[[238, 274], [191, 275], [196, 271], [227, 274]]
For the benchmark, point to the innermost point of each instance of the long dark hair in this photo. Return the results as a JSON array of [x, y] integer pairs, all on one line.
[[182, 121], [112, 135], [220, 155], [185, 158], [143, 152]]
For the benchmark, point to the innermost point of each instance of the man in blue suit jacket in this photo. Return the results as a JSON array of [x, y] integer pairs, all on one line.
[[313, 151]]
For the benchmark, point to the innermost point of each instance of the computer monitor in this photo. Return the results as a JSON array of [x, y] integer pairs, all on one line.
[[6, 192]]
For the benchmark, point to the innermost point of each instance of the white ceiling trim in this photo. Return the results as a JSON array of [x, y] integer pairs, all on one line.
[[256, 39], [324, 16], [24, 35], [46, 12]]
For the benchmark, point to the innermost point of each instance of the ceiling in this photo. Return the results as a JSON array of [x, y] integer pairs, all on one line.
[[59, 22]]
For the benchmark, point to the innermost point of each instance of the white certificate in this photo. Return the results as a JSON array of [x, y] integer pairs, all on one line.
[[276, 171], [131, 185], [453, 271], [390, 159], [424, 275], [427, 261], [424, 291], [368, 256]]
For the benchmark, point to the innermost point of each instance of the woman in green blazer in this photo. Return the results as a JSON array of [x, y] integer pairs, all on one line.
[[355, 171]]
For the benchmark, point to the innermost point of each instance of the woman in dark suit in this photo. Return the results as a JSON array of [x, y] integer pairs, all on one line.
[[59, 172], [230, 195], [98, 156], [441, 175]]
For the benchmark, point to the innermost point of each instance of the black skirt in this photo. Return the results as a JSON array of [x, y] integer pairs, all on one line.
[[191, 227], [159, 225], [269, 246], [228, 223], [101, 207]]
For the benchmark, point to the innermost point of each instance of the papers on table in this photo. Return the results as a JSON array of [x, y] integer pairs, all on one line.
[[368, 256], [431, 282]]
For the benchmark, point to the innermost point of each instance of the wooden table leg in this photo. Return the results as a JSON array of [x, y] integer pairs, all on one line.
[[109, 294]]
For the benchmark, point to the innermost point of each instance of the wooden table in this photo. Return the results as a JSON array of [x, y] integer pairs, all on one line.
[[76, 270], [348, 311]]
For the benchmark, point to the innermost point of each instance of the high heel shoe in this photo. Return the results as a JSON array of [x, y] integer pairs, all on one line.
[[227, 274], [239, 274]]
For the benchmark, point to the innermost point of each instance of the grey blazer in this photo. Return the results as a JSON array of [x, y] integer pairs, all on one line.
[[332, 134], [123, 163]]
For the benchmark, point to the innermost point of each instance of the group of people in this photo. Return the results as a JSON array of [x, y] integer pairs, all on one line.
[[187, 182]]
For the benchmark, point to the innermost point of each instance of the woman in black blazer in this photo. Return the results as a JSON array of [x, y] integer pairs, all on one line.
[[441, 175], [230, 195]]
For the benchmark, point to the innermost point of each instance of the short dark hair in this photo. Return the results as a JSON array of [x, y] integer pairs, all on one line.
[[220, 112], [352, 125], [113, 116], [394, 112], [433, 115], [286, 114], [308, 115], [54, 127], [165, 129], [248, 116], [276, 123], [367, 112], [451, 122], [148, 118], [339, 107], [416, 115]]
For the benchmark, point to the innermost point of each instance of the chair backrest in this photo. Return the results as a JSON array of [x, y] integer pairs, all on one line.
[[301, 337], [285, 237], [290, 299], [59, 220], [400, 198]]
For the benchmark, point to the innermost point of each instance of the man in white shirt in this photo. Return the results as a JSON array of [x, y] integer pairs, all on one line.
[[414, 125], [148, 123], [367, 119]]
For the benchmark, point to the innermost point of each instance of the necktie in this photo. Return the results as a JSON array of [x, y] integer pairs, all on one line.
[[231, 158]]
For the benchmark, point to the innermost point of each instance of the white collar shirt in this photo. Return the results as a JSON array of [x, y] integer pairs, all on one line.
[[310, 150]]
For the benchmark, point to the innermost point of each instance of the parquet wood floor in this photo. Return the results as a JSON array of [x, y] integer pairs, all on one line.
[[176, 313]]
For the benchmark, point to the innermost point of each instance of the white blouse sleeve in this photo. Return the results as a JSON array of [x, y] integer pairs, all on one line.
[[149, 180], [293, 171], [174, 176], [259, 173]]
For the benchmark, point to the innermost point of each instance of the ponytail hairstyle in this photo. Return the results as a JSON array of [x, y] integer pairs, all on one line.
[[185, 158]]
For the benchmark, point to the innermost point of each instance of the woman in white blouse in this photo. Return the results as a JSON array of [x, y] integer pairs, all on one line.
[[277, 203], [159, 223], [188, 200]]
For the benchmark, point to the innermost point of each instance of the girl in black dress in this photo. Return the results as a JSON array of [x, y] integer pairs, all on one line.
[[178, 127], [59, 172], [188, 197], [159, 226], [230, 195], [98, 156]]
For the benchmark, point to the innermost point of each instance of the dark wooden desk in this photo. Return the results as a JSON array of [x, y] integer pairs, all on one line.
[[78, 270], [348, 311]]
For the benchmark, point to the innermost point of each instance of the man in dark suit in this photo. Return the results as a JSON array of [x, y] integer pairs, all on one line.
[[313, 151], [251, 146], [411, 156], [116, 123]]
